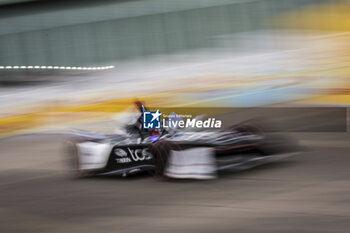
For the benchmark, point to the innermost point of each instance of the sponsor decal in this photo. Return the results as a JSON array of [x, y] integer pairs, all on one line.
[[139, 154], [132, 155], [123, 160], [120, 152], [122, 156]]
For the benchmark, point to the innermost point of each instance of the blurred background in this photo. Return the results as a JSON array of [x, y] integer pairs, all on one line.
[[92, 57], [79, 63]]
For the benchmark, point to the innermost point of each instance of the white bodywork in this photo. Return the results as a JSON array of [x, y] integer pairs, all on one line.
[[93, 155]]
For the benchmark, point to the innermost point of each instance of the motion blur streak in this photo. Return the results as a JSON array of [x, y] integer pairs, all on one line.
[[82, 64]]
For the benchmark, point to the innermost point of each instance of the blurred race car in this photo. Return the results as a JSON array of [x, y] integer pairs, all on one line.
[[176, 154]]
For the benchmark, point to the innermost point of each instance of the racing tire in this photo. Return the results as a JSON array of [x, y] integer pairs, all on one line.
[[277, 144], [161, 152]]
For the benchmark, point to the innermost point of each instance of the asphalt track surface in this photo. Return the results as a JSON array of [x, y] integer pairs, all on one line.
[[305, 193]]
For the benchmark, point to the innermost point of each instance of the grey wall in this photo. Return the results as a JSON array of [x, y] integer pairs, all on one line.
[[97, 35]]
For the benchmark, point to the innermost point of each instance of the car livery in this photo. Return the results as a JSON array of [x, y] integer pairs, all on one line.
[[239, 147]]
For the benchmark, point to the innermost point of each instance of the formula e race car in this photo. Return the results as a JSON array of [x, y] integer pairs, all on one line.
[[176, 154]]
